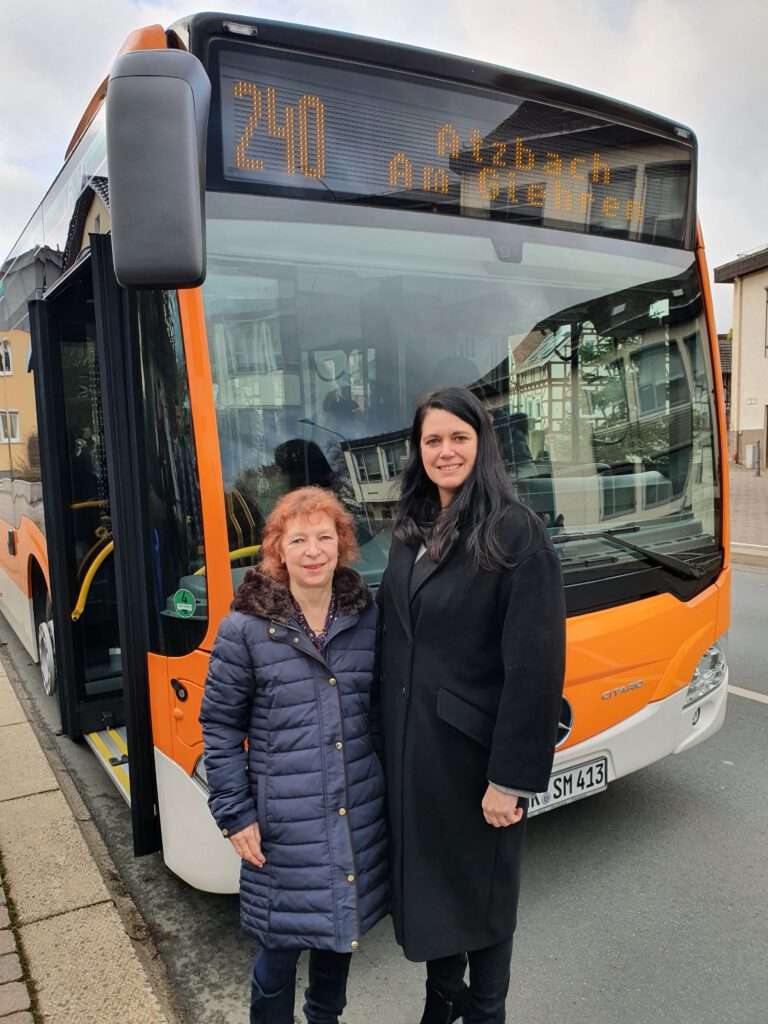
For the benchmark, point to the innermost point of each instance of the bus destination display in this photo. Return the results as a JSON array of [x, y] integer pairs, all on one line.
[[352, 133]]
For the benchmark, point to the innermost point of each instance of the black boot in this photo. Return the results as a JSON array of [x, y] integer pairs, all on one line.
[[440, 1010], [326, 994], [274, 1008], [461, 1004]]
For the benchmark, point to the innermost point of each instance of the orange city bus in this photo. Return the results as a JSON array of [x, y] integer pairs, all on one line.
[[264, 243]]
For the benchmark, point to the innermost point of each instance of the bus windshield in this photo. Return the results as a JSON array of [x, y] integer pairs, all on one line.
[[325, 323]]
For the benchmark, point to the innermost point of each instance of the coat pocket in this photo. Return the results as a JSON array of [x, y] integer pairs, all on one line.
[[465, 717]]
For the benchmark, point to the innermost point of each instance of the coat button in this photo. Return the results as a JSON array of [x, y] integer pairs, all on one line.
[[403, 691], [271, 630], [339, 745], [384, 629], [295, 639], [354, 944], [342, 811], [350, 878], [225, 831], [332, 681]]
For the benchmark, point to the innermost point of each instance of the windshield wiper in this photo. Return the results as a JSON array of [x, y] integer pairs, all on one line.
[[676, 565]]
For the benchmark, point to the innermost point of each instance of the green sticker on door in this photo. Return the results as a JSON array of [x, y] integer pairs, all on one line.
[[184, 603]]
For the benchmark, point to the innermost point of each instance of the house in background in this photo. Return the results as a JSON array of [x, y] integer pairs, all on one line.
[[748, 423], [725, 346]]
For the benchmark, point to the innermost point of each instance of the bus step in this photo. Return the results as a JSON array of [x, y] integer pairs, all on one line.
[[111, 748]]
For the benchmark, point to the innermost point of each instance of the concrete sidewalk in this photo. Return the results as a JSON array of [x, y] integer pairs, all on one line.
[[67, 956], [749, 517]]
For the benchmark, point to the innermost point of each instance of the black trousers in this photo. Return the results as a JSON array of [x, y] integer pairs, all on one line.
[[274, 971], [488, 980]]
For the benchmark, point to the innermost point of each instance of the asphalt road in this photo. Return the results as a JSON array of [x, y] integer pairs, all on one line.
[[646, 904]]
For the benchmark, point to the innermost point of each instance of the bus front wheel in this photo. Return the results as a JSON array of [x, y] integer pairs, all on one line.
[[47, 654], [46, 650], [46, 645]]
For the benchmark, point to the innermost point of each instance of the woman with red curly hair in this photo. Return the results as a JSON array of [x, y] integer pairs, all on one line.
[[302, 802]]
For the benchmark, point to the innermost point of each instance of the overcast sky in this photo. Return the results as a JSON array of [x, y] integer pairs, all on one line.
[[699, 62]]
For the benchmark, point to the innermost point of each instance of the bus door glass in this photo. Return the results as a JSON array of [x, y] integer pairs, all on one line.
[[77, 507]]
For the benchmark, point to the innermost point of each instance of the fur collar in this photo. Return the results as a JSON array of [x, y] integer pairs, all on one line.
[[269, 599]]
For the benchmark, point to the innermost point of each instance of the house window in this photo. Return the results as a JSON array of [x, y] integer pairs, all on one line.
[[368, 465], [9, 425], [652, 384], [395, 456], [6, 364]]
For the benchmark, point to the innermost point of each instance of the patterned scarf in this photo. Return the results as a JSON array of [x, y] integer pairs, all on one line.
[[319, 638]]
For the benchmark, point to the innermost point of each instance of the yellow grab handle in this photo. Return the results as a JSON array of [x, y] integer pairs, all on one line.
[[254, 549], [83, 596]]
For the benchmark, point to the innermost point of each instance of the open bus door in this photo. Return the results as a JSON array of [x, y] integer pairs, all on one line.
[[85, 392]]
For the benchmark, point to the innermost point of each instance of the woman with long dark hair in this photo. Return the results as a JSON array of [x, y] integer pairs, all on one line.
[[471, 678]]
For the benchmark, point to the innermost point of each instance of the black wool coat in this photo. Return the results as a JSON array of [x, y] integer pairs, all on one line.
[[471, 678]]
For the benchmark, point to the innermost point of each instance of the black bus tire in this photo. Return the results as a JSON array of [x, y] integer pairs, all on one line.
[[46, 644]]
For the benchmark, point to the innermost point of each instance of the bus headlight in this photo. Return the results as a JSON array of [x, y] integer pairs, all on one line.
[[708, 674], [200, 775]]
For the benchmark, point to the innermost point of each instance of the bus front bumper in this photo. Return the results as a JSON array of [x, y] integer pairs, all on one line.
[[662, 727]]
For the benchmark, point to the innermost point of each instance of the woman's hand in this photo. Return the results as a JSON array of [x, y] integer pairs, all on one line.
[[500, 809], [247, 845]]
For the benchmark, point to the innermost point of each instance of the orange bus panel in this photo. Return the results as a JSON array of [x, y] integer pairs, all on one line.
[[150, 38], [217, 562]]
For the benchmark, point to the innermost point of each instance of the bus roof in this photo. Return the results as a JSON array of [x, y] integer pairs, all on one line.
[[196, 30]]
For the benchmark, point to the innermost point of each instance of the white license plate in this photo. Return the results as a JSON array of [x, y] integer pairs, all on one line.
[[571, 784]]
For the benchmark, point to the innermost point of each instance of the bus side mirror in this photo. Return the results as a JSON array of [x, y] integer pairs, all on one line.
[[157, 120]]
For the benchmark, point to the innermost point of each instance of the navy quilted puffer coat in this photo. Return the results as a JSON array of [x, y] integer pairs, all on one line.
[[309, 774]]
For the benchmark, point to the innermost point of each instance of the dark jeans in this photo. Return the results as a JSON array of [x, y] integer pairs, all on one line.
[[488, 980], [325, 995]]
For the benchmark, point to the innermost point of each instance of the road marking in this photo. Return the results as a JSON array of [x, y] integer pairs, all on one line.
[[761, 697]]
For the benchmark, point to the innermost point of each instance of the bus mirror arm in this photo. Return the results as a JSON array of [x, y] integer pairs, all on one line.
[[157, 120]]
